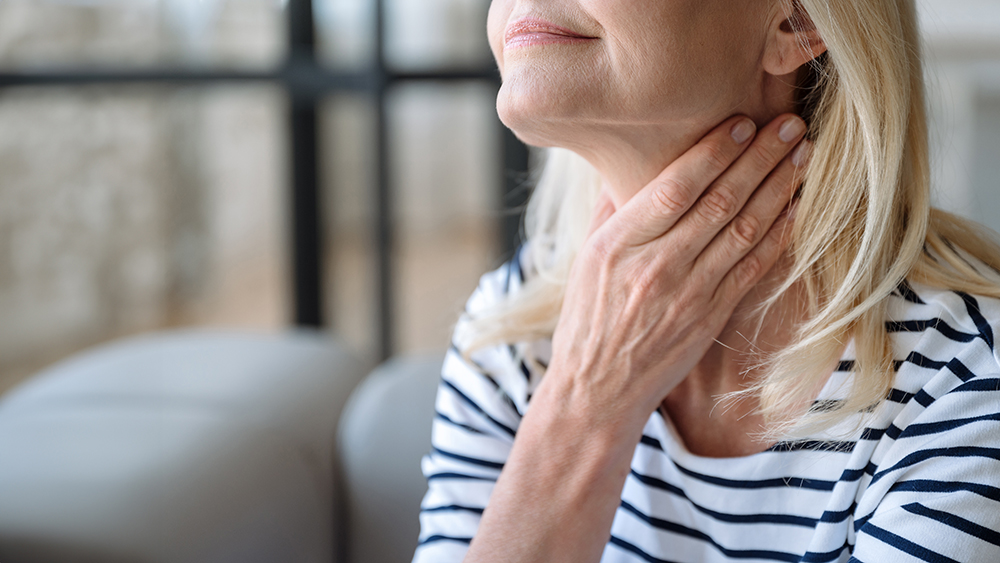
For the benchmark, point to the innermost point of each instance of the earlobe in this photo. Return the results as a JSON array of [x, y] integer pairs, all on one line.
[[794, 42]]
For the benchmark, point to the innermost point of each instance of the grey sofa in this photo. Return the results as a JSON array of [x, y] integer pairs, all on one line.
[[215, 446]]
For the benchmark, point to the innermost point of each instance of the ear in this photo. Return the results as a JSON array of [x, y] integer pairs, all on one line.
[[793, 40]]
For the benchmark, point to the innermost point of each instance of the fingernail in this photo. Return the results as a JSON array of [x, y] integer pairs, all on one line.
[[743, 130], [802, 154], [791, 129]]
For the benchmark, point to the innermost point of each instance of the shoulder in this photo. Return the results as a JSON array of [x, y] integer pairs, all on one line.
[[509, 370], [945, 401], [939, 431], [497, 285], [929, 324]]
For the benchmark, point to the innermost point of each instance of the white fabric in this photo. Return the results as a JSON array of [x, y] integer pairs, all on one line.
[[920, 482]]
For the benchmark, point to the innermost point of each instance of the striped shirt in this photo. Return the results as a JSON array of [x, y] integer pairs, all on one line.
[[920, 480]]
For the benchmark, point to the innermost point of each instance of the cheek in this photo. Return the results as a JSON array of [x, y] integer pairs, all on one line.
[[496, 23]]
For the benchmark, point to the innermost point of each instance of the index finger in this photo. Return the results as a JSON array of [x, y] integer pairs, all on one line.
[[661, 203]]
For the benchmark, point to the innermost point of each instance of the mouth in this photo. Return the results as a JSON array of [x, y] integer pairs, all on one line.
[[532, 31]]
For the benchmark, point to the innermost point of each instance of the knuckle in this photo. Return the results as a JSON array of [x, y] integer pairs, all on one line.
[[716, 156], [602, 248], [719, 204], [745, 232], [671, 197], [747, 270], [767, 153], [698, 292], [647, 282]]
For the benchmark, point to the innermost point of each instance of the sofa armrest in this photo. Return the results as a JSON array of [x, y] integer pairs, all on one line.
[[384, 433], [180, 446]]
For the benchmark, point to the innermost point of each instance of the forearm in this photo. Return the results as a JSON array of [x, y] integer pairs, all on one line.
[[560, 488]]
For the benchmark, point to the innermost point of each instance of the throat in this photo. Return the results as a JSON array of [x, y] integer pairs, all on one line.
[[710, 427]]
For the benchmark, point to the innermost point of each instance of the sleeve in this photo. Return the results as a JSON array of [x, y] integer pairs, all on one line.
[[936, 494], [472, 434]]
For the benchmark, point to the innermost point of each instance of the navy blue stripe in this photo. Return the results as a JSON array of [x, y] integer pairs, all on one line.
[[860, 522], [489, 379], [440, 416], [813, 557], [516, 259], [851, 475], [872, 434], [899, 396], [453, 508], [921, 360], [432, 539], [813, 445], [453, 348], [905, 545], [985, 384], [476, 407], [845, 366], [834, 516], [459, 476], [471, 460], [781, 482], [923, 398], [907, 293], [960, 370], [937, 427], [972, 306], [936, 323], [826, 405], [692, 533], [931, 486], [618, 542], [956, 522], [650, 441], [525, 371], [787, 519], [923, 455]]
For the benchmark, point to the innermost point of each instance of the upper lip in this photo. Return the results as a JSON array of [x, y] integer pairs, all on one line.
[[535, 25]]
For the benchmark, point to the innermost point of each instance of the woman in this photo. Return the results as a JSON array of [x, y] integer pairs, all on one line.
[[736, 344]]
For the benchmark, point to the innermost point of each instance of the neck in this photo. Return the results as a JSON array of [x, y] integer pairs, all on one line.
[[712, 428], [630, 155]]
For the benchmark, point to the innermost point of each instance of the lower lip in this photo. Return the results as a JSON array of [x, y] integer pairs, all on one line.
[[542, 38]]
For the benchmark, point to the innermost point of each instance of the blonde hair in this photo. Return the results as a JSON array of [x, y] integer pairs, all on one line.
[[864, 221]]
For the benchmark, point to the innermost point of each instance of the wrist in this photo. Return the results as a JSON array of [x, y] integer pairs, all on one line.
[[577, 413], [609, 403]]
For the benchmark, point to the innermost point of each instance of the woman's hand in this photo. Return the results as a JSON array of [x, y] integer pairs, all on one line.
[[658, 279], [655, 282]]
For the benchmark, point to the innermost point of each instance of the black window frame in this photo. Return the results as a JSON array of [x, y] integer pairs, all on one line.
[[307, 82]]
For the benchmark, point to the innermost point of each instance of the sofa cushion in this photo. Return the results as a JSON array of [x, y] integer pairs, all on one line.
[[178, 446]]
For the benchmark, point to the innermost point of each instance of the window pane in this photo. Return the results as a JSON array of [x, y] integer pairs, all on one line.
[[445, 144], [420, 34], [345, 32], [232, 33], [436, 33], [348, 144], [137, 209]]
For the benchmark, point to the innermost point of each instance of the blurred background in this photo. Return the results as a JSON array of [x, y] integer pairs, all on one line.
[[169, 163]]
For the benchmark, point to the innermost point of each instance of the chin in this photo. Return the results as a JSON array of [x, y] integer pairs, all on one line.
[[537, 114]]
